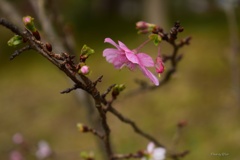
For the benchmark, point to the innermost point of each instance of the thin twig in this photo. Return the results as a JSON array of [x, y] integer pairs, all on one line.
[[108, 91], [19, 51], [70, 89], [96, 133], [134, 126]]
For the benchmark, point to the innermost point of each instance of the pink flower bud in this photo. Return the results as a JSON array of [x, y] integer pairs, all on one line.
[[29, 24], [27, 20], [141, 25], [159, 65], [84, 69]]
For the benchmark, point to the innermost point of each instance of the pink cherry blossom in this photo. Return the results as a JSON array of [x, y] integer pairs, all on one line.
[[123, 56]]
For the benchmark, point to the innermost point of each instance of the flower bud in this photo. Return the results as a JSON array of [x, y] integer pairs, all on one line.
[[159, 65], [29, 24], [84, 70], [36, 35], [82, 128], [144, 27], [141, 25], [117, 89], [87, 156], [48, 47], [144, 31]]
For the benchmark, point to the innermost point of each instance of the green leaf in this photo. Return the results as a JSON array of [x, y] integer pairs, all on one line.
[[87, 50], [15, 41], [156, 39]]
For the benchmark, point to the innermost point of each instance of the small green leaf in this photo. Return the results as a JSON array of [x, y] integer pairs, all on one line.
[[15, 41], [156, 39], [87, 50]]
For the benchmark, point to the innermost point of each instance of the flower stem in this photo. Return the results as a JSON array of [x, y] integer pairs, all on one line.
[[142, 45], [159, 51]]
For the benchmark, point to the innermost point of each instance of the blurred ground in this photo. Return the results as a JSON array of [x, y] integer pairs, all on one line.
[[200, 93]]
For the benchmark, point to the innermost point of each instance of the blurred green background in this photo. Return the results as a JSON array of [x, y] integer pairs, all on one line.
[[201, 92]]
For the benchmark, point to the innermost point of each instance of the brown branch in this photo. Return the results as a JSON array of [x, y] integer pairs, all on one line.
[[10, 26], [96, 133], [176, 156], [106, 128], [107, 91], [134, 126], [83, 128], [70, 89], [19, 51]]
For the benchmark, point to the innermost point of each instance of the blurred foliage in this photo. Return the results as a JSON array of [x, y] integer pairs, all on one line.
[[200, 92]]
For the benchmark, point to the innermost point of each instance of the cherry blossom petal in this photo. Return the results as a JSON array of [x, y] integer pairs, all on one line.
[[109, 40], [132, 57], [150, 147], [148, 74], [110, 51], [120, 61], [159, 154], [124, 47], [110, 54], [145, 60], [131, 65]]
